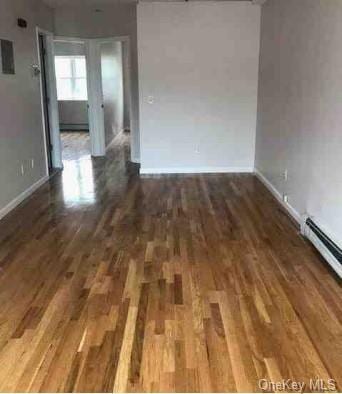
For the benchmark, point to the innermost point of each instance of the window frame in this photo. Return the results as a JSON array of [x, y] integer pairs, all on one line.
[[73, 78]]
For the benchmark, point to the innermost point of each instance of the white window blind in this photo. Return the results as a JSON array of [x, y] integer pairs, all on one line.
[[71, 76]]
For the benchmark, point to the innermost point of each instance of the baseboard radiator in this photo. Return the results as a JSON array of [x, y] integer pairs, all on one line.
[[328, 249]]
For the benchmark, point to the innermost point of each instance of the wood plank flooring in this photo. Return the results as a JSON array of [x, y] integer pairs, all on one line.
[[114, 282], [75, 145]]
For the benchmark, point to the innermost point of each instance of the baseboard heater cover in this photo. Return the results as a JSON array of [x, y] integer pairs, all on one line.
[[74, 127], [328, 248]]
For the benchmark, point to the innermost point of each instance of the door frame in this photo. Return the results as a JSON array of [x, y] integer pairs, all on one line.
[[94, 133], [45, 100], [52, 105], [126, 63], [94, 84]]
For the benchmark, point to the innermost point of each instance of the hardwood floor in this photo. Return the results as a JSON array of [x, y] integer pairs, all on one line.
[[112, 282], [75, 145]]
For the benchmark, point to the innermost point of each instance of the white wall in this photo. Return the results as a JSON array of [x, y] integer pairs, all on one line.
[[300, 106], [21, 130], [114, 20], [112, 88], [200, 63]]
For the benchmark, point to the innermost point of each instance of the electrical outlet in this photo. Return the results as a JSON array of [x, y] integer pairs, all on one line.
[[197, 150], [22, 169], [32, 163], [286, 175], [286, 198]]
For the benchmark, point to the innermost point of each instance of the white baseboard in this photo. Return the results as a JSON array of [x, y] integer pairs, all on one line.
[[19, 199], [294, 214], [195, 170]]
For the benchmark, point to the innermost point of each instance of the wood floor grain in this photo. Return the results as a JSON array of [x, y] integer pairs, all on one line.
[[114, 282], [75, 145]]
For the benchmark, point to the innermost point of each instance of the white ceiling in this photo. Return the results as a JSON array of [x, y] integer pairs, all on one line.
[[95, 3]]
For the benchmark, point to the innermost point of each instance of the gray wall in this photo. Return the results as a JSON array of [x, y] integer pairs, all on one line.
[[300, 106], [21, 130], [199, 60], [73, 115], [112, 88], [114, 20], [63, 48]]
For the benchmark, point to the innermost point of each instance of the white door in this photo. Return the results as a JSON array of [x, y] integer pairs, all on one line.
[[95, 98]]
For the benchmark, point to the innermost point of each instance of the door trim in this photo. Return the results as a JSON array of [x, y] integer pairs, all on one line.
[[45, 100]]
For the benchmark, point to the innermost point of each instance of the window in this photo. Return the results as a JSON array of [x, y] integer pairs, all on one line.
[[71, 76]]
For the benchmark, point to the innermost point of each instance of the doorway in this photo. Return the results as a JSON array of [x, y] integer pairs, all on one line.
[[110, 104], [72, 95], [113, 94], [95, 95]]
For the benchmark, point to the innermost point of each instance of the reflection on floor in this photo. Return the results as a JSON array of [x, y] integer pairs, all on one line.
[[75, 145], [79, 166], [112, 282], [78, 185]]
